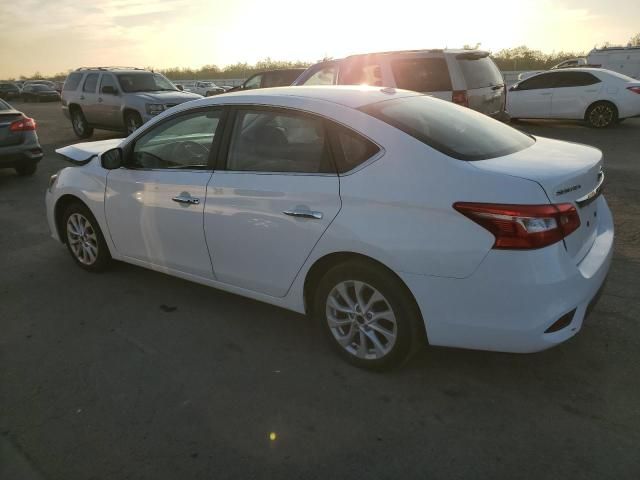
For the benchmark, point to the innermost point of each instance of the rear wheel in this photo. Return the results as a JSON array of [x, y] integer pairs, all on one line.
[[26, 169], [133, 121], [601, 115], [367, 315], [84, 238], [81, 127]]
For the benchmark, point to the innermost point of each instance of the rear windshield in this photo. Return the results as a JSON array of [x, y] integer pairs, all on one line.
[[456, 131], [4, 106], [480, 72]]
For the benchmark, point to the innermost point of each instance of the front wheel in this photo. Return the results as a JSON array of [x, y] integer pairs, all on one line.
[[368, 316], [84, 238], [133, 121], [601, 115]]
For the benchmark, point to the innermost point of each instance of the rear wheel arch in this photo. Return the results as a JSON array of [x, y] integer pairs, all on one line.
[[326, 263]]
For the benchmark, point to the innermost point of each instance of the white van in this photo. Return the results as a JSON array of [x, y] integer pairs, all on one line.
[[625, 60]]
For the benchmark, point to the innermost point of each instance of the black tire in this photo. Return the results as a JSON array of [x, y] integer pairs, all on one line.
[[601, 115], [132, 121], [93, 236], [81, 127], [27, 169], [409, 329]]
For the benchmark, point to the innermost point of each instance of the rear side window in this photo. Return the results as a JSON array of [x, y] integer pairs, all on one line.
[[480, 72], [422, 74], [90, 83], [456, 131], [351, 149], [72, 81], [575, 79], [358, 73]]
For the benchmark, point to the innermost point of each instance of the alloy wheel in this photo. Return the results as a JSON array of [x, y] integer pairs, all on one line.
[[78, 123], [601, 116], [361, 320], [82, 239]]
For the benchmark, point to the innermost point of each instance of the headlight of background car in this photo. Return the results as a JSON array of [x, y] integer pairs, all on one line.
[[155, 108]]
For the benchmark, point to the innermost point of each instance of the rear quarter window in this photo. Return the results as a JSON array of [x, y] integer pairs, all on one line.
[[350, 148], [458, 132], [422, 74], [479, 72], [72, 81]]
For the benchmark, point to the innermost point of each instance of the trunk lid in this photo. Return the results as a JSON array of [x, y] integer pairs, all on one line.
[[7, 137], [568, 173]]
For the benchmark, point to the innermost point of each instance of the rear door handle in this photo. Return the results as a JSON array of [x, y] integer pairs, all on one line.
[[186, 199], [298, 212]]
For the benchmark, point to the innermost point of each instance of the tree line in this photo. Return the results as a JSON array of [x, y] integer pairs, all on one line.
[[518, 58]]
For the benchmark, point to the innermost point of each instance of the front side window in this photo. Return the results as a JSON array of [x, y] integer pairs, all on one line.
[[107, 80], [359, 73], [90, 83], [72, 81], [253, 82], [458, 132], [422, 74], [278, 141], [544, 80], [324, 76], [182, 142]]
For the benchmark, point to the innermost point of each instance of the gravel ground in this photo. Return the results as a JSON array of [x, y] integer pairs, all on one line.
[[133, 374]]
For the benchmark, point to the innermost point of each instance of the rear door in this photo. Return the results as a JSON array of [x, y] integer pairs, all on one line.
[[423, 74], [531, 98], [89, 98], [573, 93], [271, 200], [484, 83], [108, 104]]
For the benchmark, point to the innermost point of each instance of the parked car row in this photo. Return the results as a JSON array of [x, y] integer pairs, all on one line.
[[38, 91]]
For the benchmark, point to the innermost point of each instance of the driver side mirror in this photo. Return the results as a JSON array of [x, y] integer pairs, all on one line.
[[180, 87], [513, 88], [112, 159], [109, 90]]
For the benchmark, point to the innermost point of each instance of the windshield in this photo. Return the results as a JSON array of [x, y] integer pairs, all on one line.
[[456, 131], [144, 82], [480, 72]]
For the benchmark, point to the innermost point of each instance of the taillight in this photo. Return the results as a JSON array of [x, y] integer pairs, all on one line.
[[634, 89], [23, 125], [523, 226], [460, 97]]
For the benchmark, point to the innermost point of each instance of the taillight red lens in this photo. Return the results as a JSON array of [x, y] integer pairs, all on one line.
[[634, 89], [460, 97], [23, 125], [523, 226]]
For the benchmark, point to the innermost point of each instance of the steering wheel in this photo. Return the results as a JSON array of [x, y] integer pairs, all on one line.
[[190, 149]]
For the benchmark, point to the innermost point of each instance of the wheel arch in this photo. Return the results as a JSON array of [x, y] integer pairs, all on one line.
[[58, 210], [323, 264], [603, 100], [73, 107]]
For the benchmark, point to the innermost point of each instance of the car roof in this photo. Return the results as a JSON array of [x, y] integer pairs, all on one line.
[[352, 96]]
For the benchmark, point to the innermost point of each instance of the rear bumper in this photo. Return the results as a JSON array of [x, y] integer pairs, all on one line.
[[15, 155], [514, 297]]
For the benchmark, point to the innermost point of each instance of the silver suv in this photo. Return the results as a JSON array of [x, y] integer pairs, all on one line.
[[465, 77], [114, 98]]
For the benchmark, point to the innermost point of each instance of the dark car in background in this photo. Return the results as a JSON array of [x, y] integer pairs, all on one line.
[[39, 92], [270, 78], [9, 90], [19, 145]]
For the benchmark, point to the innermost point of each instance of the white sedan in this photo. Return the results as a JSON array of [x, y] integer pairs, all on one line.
[[392, 218], [600, 97]]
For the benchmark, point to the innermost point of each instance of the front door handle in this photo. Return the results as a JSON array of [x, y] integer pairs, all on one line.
[[186, 199], [302, 213]]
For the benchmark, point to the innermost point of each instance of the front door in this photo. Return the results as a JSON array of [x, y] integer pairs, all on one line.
[[155, 204], [275, 197], [89, 98], [108, 104], [531, 98]]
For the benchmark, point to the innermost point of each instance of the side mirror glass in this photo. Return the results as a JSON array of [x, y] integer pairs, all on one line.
[[513, 88], [180, 87], [112, 159], [109, 90]]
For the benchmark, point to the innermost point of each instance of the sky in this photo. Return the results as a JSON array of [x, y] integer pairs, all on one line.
[[51, 36]]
